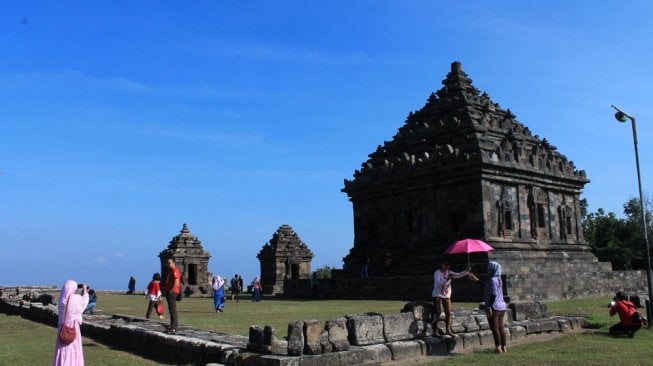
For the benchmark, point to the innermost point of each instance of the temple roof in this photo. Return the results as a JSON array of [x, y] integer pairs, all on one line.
[[285, 243], [461, 127], [185, 240]]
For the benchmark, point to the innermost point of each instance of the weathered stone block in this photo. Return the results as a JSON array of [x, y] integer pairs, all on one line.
[[424, 328], [517, 332], [435, 346], [528, 310], [399, 327], [564, 326], [269, 333], [279, 347], [403, 350], [422, 310], [324, 342], [365, 329], [246, 359], [354, 356], [312, 332], [482, 322], [532, 327], [470, 340], [270, 360], [456, 325], [486, 339], [549, 326], [576, 323], [338, 335], [295, 338], [470, 324], [376, 353], [255, 338]]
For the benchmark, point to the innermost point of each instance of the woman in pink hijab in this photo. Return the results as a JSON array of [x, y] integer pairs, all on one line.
[[71, 306]]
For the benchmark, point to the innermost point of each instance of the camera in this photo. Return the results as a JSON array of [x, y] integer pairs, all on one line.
[[80, 285]]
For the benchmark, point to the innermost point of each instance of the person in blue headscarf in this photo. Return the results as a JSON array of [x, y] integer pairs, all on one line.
[[495, 306], [218, 293]]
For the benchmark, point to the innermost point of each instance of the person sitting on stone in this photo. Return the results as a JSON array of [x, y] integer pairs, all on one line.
[[92, 301], [627, 324]]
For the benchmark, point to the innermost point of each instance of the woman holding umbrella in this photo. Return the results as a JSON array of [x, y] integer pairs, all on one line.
[[442, 294]]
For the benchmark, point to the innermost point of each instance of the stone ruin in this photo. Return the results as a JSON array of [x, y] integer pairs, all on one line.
[[463, 167], [285, 263], [355, 339], [191, 259]]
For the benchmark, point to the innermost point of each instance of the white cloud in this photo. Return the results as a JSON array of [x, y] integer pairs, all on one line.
[[101, 260], [120, 255]]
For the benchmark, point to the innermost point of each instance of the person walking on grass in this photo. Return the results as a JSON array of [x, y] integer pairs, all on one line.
[[256, 289], [173, 289], [218, 293], [235, 288], [442, 295], [153, 296], [495, 306]]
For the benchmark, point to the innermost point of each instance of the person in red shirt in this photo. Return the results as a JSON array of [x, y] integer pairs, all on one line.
[[626, 310], [173, 288], [153, 295]]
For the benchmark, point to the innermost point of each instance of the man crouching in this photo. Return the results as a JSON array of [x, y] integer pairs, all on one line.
[[628, 325]]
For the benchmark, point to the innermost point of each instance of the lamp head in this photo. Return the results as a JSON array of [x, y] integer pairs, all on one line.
[[621, 116]]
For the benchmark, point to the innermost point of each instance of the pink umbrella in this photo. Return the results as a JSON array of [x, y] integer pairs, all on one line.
[[468, 246]]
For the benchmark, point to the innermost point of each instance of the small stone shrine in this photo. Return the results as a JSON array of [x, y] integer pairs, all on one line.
[[283, 259], [191, 259], [463, 167]]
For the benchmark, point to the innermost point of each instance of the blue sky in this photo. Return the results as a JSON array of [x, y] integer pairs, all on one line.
[[120, 121]]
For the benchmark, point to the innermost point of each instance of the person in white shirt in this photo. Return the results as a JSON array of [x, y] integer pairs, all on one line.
[[442, 294]]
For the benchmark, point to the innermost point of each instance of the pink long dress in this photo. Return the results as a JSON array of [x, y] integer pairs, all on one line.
[[70, 354]]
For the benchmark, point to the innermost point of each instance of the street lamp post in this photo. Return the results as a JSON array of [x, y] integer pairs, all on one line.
[[622, 116]]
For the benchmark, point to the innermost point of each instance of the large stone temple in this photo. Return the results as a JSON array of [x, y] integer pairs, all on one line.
[[191, 259], [285, 263], [463, 167]]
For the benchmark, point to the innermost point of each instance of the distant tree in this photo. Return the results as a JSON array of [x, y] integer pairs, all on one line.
[[322, 273], [617, 240]]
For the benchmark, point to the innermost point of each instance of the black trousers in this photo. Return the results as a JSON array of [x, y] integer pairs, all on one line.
[[619, 328], [172, 309]]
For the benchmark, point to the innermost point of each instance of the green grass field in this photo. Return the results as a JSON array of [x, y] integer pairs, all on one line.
[[27, 342]]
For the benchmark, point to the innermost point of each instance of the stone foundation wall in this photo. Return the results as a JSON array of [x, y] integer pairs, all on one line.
[[351, 340], [573, 280]]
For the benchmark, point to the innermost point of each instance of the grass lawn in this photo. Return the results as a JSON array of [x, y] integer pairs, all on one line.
[[237, 317], [24, 342], [594, 347]]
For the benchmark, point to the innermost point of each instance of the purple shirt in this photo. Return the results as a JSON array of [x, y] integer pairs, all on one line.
[[494, 287]]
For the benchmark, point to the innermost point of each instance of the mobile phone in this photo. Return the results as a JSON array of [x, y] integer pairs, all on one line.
[[80, 285]]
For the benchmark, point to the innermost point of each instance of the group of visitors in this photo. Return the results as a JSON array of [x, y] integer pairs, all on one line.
[[76, 299], [495, 306]]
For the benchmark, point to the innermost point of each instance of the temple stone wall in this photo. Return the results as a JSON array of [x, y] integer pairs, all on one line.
[[413, 225]]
